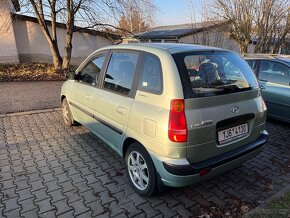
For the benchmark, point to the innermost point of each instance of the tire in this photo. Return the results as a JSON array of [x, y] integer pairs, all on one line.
[[141, 170], [66, 113]]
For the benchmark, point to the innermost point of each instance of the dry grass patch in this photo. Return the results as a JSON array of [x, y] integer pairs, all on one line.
[[29, 72]]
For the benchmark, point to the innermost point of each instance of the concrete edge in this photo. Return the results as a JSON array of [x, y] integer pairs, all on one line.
[[263, 205], [29, 112]]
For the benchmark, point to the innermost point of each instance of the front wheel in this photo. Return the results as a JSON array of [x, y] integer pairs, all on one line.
[[66, 113], [141, 170]]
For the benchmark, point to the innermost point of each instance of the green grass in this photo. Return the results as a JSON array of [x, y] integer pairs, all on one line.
[[275, 209]]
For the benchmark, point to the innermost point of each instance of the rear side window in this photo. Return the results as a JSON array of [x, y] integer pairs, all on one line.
[[120, 72], [151, 75], [205, 74], [274, 72]]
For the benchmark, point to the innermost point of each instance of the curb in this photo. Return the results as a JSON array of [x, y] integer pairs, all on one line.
[[29, 112], [263, 205]]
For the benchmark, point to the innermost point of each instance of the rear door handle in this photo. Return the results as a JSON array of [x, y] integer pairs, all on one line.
[[88, 97], [121, 110], [262, 87]]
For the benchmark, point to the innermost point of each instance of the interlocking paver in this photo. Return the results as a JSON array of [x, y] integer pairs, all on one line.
[[130, 209], [31, 213], [7, 184], [47, 170], [115, 209], [13, 213], [45, 206], [40, 195], [79, 207], [27, 205], [97, 208]]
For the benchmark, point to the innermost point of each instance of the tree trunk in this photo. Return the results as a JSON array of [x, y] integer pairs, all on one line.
[[69, 35], [56, 58], [243, 48], [67, 52]]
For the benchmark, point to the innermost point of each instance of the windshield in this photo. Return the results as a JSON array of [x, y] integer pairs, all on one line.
[[206, 74]]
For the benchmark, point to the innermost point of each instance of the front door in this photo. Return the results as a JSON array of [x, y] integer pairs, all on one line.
[[81, 102], [113, 101]]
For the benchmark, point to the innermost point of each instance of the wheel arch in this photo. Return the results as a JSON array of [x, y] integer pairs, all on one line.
[[127, 142], [62, 97]]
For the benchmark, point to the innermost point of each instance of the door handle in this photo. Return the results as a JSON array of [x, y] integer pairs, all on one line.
[[121, 110], [88, 97], [262, 87]]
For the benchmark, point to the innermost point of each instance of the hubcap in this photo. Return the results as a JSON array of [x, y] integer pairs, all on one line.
[[65, 112], [138, 170]]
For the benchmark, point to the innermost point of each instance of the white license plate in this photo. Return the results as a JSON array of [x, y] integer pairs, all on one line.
[[233, 133]]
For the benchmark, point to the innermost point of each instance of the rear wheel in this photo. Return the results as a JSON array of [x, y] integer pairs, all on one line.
[[141, 170], [66, 113]]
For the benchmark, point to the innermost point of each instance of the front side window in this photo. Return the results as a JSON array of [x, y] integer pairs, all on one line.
[[120, 72], [89, 74], [205, 74], [151, 75], [274, 72]]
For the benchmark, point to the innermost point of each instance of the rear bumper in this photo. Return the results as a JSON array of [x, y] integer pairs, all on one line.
[[186, 174]]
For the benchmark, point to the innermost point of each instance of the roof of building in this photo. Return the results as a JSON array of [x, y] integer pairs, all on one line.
[[175, 31], [63, 26]]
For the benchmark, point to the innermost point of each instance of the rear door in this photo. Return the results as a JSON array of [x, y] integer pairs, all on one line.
[[221, 103], [274, 78], [113, 101]]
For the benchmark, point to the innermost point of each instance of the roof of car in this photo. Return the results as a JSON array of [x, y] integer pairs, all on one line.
[[170, 47], [282, 58]]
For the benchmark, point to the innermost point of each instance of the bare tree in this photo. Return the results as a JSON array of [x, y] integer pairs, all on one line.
[[264, 21], [84, 13], [284, 33], [271, 25], [239, 17], [138, 18]]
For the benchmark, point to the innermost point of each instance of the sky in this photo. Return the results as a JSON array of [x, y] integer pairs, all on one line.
[[172, 12]]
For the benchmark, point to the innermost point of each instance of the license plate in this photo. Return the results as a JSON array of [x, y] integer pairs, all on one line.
[[232, 133]]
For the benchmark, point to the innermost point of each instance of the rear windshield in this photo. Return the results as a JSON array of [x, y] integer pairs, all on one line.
[[205, 74]]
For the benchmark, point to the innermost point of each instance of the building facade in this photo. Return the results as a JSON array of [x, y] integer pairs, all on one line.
[[22, 40], [197, 33]]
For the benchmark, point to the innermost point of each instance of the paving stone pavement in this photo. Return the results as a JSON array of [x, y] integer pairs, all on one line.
[[49, 170]]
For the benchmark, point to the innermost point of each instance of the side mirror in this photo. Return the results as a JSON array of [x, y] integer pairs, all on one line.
[[71, 75]]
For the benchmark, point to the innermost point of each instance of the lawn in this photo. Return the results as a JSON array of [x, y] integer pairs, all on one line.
[[275, 209]]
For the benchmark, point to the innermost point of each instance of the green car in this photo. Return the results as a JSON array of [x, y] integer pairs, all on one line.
[[274, 78], [178, 114]]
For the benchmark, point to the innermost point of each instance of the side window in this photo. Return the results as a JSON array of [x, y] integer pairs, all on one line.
[[89, 74], [275, 72], [151, 75], [120, 72]]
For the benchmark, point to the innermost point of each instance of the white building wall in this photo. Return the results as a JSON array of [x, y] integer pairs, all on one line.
[[211, 38], [8, 49], [33, 46]]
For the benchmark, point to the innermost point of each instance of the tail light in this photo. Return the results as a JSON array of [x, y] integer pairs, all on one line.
[[177, 127]]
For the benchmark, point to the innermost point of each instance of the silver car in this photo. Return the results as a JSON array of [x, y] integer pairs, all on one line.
[[178, 114]]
